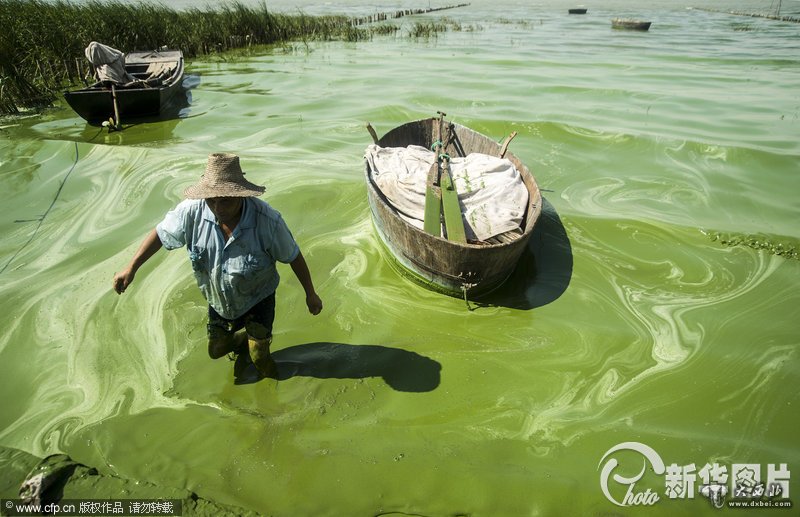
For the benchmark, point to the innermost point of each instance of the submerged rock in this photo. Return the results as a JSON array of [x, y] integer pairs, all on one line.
[[47, 478], [41, 481]]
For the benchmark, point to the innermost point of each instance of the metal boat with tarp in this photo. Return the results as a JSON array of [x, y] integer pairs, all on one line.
[[136, 84]]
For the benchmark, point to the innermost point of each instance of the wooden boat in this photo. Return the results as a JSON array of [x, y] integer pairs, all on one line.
[[630, 24], [457, 269], [159, 75], [577, 10]]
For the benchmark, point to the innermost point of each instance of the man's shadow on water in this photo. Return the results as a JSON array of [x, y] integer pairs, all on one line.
[[544, 270], [401, 369]]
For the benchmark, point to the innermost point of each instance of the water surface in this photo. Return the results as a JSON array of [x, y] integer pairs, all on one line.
[[656, 303]]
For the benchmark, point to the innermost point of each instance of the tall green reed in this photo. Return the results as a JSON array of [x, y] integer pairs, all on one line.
[[42, 42]]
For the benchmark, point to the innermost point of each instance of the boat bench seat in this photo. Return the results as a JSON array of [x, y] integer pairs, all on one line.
[[152, 77], [152, 82], [161, 69]]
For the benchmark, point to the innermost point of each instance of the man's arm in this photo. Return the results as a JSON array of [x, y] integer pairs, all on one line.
[[150, 245], [300, 269]]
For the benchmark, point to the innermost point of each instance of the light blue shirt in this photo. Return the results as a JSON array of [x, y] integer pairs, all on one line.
[[234, 275]]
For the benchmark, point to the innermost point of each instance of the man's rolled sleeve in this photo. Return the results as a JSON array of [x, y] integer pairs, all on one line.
[[172, 230], [283, 248]]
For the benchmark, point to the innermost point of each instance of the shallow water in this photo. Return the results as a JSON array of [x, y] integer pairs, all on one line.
[[658, 302]]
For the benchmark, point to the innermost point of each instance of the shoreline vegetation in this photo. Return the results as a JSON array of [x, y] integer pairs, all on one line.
[[42, 43], [778, 17]]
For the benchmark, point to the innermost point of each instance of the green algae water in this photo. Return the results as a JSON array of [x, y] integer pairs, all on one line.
[[657, 303]]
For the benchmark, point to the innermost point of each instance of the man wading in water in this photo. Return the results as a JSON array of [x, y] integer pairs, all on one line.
[[233, 240]]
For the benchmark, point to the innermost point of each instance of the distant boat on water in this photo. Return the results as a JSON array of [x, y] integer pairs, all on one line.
[[136, 84], [630, 24], [577, 10]]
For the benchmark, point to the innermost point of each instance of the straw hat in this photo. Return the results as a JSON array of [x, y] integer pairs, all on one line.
[[223, 178]]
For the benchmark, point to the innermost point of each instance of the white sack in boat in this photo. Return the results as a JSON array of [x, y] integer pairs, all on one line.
[[491, 192], [109, 63]]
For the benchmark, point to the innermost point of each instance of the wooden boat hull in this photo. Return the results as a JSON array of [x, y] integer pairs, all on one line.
[[96, 104], [436, 263], [635, 25]]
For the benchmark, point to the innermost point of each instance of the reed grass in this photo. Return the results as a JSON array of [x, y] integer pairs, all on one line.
[[42, 42], [384, 29], [431, 29], [426, 29]]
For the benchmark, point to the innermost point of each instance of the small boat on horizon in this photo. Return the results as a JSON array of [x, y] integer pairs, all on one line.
[[441, 259], [132, 85], [578, 10], [630, 24]]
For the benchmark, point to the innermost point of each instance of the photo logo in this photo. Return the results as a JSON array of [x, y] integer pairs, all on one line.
[[716, 494], [735, 485], [632, 497]]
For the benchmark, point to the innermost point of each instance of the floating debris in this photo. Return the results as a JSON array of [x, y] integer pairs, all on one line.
[[785, 247]]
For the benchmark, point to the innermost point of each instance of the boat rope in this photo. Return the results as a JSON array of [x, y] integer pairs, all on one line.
[[466, 286], [41, 218], [466, 300], [440, 156]]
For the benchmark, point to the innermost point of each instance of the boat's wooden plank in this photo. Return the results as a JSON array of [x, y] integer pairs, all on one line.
[[433, 211], [153, 57], [432, 223], [454, 224]]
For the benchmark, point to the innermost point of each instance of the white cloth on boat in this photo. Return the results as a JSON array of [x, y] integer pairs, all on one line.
[[109, 63], [490, 190]]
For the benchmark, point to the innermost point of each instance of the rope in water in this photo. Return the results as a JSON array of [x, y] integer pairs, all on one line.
[[41, 219]]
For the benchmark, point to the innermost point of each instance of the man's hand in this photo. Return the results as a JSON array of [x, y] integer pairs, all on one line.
[[122, 280], [149, 246], [300, 269], [314, 304]]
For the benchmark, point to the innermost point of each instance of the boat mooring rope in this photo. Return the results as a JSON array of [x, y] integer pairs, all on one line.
[[41, 219], [464, 289]]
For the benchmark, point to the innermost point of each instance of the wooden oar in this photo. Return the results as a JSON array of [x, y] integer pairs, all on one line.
[[372, 133], [114, 124], [453, 222], [507, 141], [432, 222]]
